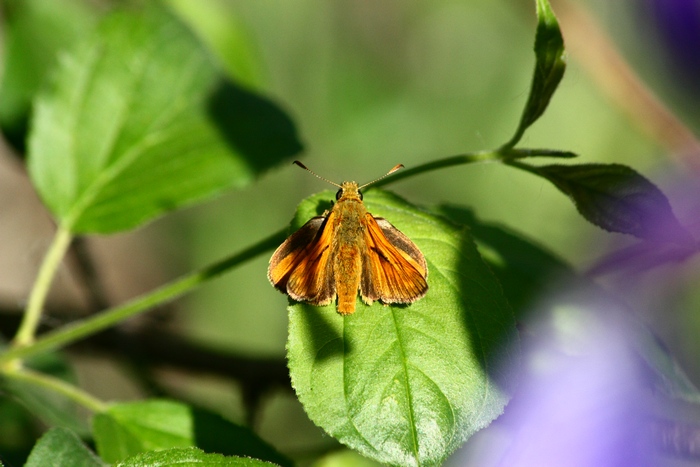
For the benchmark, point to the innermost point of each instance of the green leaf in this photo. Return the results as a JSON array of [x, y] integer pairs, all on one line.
[[616, 198], [60, 447], [406, 385], [523, 153], [35, 31], [140, 121], [549, 69], [189, 457], [131, 428]]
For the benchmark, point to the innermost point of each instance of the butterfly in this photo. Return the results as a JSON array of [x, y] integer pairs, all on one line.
[[346, 250]]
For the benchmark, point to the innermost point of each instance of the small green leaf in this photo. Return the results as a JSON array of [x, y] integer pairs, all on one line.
[[131, 428], [616, 198], [35, 31], [139, 121], [189, 457], [524, 153], [60, 447], [549, 68], [406, 385]]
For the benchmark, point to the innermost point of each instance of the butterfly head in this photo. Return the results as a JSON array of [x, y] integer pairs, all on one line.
[[348, 191]]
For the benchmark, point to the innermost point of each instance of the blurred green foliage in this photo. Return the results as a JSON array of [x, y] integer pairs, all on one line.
[[370, 85]]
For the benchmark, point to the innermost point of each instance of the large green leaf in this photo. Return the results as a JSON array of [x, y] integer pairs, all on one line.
[[406, 385], [139, 121], [34, 32], [131, 428], [189, 457], [60, 447]]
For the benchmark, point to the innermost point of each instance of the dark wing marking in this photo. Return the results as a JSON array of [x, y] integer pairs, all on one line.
[[403, 243]]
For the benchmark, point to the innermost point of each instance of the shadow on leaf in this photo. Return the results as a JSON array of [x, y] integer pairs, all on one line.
[[325, 339], [213, 433], [258, 130], [526, 271], [493, 335]]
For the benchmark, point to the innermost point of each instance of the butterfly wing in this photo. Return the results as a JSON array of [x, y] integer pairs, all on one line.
[[393, 270], [300, 266]]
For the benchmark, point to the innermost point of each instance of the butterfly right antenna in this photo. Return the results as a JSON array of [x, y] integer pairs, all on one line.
[[394, 169]]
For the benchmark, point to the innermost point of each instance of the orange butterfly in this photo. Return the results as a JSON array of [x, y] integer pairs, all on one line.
[[345, 250]]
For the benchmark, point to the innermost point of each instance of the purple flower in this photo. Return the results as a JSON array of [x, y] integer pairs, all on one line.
[[579, 404], [678, 25]]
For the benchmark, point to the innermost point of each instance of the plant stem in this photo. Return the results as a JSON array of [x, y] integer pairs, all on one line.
[[59, 386], [42, 285], [504, 154], [79, 329], [468, 158]]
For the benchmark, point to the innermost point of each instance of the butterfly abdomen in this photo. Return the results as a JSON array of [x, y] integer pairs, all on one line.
[[348, 254]]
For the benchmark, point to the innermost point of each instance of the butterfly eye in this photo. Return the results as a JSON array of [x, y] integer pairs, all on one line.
[[339, 194], [359, 193]]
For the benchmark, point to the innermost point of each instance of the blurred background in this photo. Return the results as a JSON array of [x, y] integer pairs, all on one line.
[[371, 84]]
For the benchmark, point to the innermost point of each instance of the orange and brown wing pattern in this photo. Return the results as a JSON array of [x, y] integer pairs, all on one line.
[[394, 270], [301, 265]]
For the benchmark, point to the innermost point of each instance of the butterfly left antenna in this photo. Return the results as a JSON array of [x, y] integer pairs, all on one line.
[[315, 174]]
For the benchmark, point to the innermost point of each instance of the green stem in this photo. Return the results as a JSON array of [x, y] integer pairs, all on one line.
[[79, 329], [504, 154], [468, 158], [518, 133], [42, 285], [59, 386]]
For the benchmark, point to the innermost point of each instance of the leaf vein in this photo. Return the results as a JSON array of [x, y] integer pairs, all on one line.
[[407, 385]]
